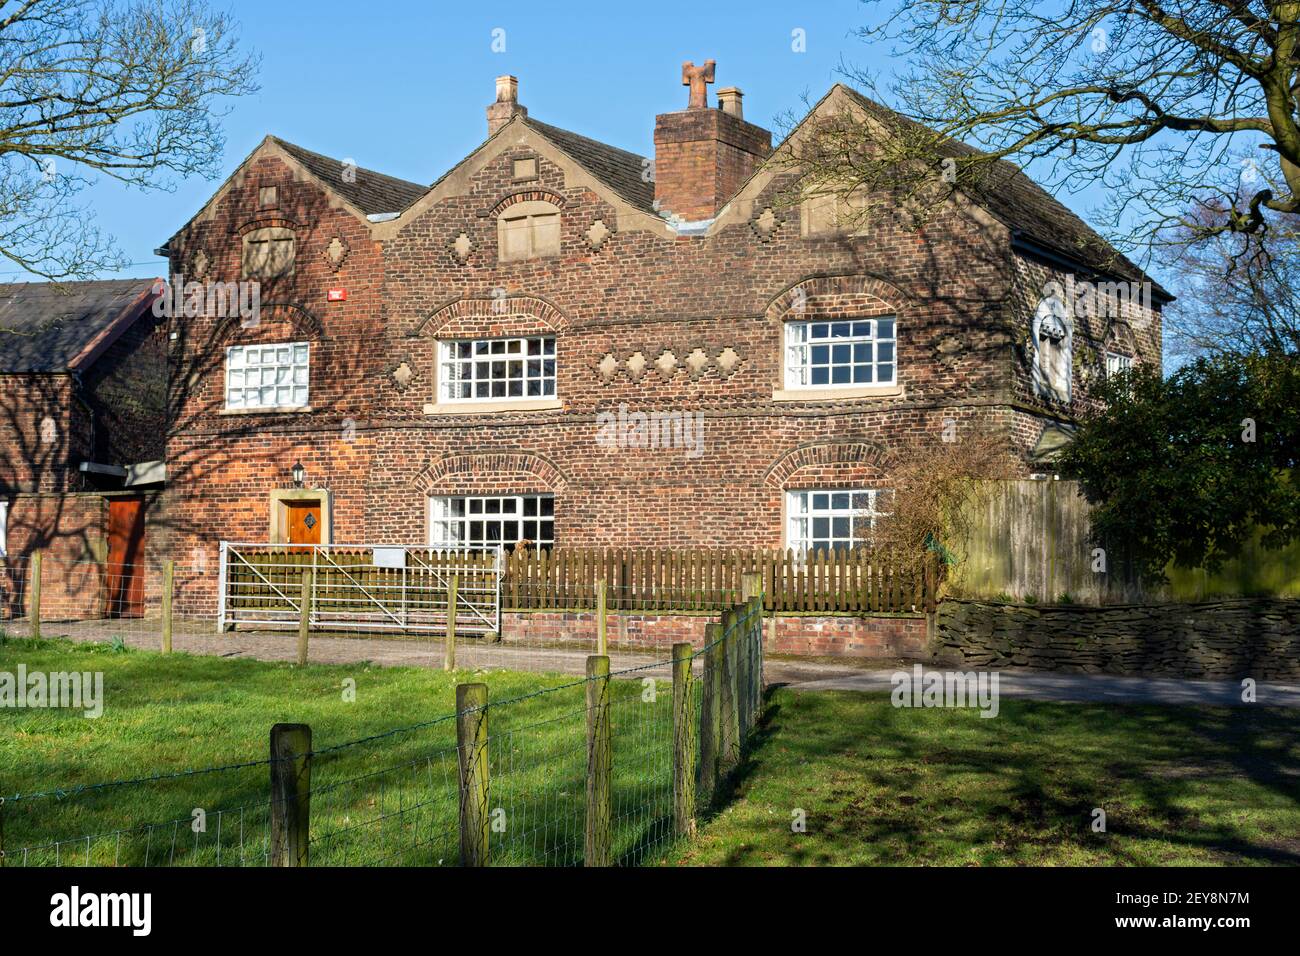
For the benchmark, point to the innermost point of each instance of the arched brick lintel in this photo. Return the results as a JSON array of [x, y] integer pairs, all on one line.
[[531, 194], [303, 321], [875, 296], [494, 307], [493, 465], [820, 455]]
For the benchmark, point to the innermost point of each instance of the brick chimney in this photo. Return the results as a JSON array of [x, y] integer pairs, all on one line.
[[704, 155], [507, 104]]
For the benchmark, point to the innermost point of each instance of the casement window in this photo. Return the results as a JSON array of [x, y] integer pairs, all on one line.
[[838, 354], [4, 528], [527, 230], [833, 519], [1117, 364], [267, 376], [488, 369], [268, 253], [486, 521]]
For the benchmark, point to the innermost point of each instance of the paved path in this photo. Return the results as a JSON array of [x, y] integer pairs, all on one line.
[[1104, 688], [872, 677]]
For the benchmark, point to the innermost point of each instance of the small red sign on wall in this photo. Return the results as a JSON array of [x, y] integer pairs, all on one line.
[[336, 295]]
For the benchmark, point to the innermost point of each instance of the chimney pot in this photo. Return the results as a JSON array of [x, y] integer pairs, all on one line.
[[729, 101], [507, 89], [506, 107]]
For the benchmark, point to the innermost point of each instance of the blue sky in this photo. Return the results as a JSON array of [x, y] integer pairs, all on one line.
[[401, 86]]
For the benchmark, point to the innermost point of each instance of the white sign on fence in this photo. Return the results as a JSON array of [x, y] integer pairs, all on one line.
[[390, 557]]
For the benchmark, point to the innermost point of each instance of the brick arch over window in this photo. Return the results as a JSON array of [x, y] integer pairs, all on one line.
[[267, 222], [490, 471], [1121, 336], [836, 296], [531, 194], [304, 323], [829, 461], [477, 310]]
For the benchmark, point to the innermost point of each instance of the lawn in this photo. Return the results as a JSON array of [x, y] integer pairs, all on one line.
[[886, 786], [392, 799]]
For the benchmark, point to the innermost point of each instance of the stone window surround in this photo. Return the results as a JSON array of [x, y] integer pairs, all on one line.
[[527, 176], [279, 498], [528, 208], [788, 493], [266, 235], [813, 227], [228, 409], [492, 405], [833, 393]]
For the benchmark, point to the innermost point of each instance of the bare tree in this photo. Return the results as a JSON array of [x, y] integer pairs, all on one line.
[[132, 91], [1168, 102], [1239, 293]]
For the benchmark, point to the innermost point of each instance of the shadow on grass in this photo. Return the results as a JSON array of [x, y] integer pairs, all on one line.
[[881, 785]]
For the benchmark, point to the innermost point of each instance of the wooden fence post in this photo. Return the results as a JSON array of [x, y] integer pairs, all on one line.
[[169, 579], [304, 617], [711, 710], [600, 764], [472, 748], [752, 592], [729, 755], [453, 590], [34, 588], [683, 743], [744, 668], [602, 603], [290, 794], [756, 663]]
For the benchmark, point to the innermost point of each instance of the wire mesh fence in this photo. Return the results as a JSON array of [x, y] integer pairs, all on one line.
[[600, 769]]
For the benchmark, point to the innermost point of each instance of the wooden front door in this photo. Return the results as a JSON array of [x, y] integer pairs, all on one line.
[[125, 574], [303, 520]]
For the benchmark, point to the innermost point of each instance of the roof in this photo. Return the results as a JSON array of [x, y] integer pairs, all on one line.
[[1030, 211], [56, 327], [371, 192], [620, 170]]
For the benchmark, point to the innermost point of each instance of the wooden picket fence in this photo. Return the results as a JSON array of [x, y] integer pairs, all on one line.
[[702, 579]]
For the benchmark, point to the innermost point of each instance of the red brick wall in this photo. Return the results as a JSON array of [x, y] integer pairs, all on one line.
[[70, 530], [804, 635], [45, 431]]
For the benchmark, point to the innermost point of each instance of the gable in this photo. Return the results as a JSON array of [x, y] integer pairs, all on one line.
[[1033, 216], [615, 175], [362, 192]]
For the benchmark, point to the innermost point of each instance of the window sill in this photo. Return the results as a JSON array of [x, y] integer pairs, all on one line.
[[836, 394], [269, 410], [490, 407]]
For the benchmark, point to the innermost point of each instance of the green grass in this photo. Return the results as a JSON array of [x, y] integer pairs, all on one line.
[[389, 800], [879, 785]]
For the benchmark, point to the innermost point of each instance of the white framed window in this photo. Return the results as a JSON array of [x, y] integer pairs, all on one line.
[[486, 521], [840, 354], [833, 519], [495, 369], [4, 529], [528, 229], [268, 376], [1117, 364]]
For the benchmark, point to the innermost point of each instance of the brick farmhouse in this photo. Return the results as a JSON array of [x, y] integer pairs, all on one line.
[[83, 390], [560, 341]]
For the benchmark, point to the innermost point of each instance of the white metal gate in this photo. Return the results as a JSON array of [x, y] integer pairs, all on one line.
[[360, 587]]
